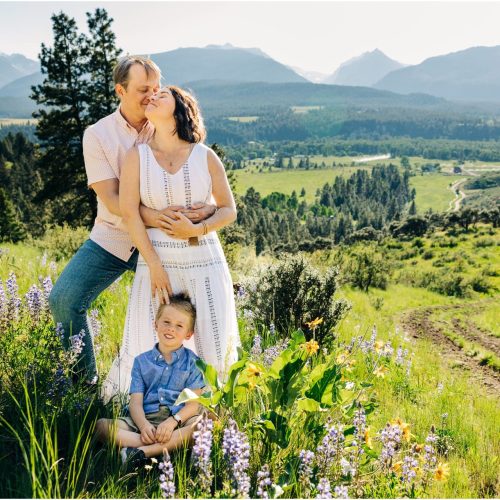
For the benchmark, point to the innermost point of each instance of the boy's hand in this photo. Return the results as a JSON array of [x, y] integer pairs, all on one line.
[[148, 433], [165, 429]]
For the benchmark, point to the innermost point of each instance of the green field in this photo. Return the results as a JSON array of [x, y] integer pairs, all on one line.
[[433, 191]]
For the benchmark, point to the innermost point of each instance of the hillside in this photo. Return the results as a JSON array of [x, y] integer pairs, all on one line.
[[364, 70], [468, 75]]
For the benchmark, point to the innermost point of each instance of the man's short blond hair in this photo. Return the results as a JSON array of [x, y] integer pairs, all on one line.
[[121, 71]]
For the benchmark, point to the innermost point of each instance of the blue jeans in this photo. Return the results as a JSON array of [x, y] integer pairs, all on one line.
[[91, 270]]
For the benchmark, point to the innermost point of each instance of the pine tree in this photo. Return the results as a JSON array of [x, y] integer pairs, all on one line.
[[62, 122], [102, 55], [11, 228]]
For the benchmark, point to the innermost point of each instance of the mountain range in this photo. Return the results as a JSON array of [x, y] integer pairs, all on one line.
[[468, 75]]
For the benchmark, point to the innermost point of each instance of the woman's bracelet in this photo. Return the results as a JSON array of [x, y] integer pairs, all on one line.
[[205, 227]]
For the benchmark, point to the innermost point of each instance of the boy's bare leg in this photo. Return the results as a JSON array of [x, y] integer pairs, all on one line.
[[179, 438], [118, 433]]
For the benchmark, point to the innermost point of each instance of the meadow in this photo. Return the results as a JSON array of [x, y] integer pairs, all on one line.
[[391, 402]]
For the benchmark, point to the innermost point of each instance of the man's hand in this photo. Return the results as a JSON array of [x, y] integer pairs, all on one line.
[[148, 433], [199, 212], [165, 429]]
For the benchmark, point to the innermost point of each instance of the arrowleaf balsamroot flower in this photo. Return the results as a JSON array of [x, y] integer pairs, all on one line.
[[310, 347], [442, 471], [314, 323], [253, 373], [380, 371]]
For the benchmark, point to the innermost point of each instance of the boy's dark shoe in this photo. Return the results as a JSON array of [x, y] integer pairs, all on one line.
[[132, 458]]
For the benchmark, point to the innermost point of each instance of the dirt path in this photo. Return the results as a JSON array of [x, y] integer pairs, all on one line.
[[459, 196], [420, 324]]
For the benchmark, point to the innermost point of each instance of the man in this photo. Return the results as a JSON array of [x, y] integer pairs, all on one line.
[[109, 251]]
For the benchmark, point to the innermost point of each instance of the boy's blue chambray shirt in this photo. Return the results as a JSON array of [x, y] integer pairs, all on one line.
[[162, 382]]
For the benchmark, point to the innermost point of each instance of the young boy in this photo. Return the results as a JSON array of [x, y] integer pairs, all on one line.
[[158, 377]]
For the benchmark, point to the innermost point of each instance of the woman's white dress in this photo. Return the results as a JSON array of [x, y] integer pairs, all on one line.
[[200, 271]]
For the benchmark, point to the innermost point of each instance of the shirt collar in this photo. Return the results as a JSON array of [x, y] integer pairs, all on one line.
[[176, 355], [147, 127]]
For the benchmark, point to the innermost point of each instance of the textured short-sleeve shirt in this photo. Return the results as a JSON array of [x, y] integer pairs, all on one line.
[[104, 147], [161, 382]]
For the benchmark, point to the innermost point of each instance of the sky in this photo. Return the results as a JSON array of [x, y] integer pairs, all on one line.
[[314, 36]]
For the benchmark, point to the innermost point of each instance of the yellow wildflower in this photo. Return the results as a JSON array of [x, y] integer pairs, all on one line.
[[368, 438], [397, 466], [253, 372], [405, 428], [314, 323], [350, 363], [378, 345], [380, 371], [310, 347], [442, 472]]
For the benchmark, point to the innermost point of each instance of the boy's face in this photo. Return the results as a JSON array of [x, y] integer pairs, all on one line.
[[173, 327]]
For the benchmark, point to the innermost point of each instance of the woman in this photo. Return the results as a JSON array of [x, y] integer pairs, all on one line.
[[175, 168]]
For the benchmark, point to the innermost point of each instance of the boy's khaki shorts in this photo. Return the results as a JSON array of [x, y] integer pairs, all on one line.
[[158, 417]]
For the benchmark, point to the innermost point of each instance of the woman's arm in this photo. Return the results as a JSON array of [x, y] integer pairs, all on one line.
[[221, 191], [129, 207]]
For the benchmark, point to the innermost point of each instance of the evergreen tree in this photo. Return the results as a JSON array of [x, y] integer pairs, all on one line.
[[102, 55], [62, 122], [11, 228]]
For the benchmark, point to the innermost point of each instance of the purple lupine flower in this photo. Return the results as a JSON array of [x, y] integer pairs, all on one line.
[[323, 488], [60, 386], [13, 302], [34, 302], [95, 328], [43, 260], [241, 292], [390, 437], [166, 478], [272, 329], [60, 332], [237, 452], [400, 356], [331, 447], [340, 492], [201, 451], [76, 345], [348, 468], [264, 482], [4, 307], [430, 458], [46, 288], [408, 469], [388, 350], [52, 267], [359, 422], [306, 458], [408, 367], [271, 353], [256, 350]]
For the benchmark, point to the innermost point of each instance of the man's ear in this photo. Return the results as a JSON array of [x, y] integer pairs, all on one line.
[[119, 89]]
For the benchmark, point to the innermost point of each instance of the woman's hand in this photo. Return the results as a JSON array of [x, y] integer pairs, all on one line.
[[160, 284], [182, 228]]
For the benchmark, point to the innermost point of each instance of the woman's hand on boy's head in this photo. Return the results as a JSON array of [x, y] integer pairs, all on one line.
[[148, 433], [165, 429]]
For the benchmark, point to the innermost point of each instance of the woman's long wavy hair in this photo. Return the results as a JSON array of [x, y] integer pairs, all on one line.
[[188, 120]]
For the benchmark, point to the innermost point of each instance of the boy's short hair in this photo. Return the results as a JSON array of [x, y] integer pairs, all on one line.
[[181, 302]]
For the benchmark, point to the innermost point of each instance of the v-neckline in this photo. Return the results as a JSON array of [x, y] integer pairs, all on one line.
[[180, 168]]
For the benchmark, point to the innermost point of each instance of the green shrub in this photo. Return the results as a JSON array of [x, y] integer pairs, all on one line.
[[61, 242], [291, 293], [367, 268]]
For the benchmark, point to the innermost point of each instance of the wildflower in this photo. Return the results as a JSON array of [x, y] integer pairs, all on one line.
[[442, 472], [440, 387], [350, 386], [378, 345], [271, 353], [306, 458], [34, 302], [13, 302], [409, 469], [380, 371], [60, 386], [201, 450], [314, 323], [390, 438], [60, 332], [47, 286], [323, 488], [43, 260], [278, 490], [236, 450], [76, 345], [400, 356], [3, 304], [310, 347], [256, 350], [95, 328], [368, 438], [408, 367], [429, 458], [272, 329], [405, 428], [347, 467], [331, 447], [53, 267], [241, 292], [359, 422], [166, 477], [341, 358], [387, 351], [341, 492], [349, 364], [253, 373], [263, 482]]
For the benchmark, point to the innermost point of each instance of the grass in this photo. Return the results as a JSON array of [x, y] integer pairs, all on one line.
[[433, 191]]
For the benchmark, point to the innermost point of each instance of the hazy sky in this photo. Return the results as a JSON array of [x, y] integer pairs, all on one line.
[[315, 36]]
